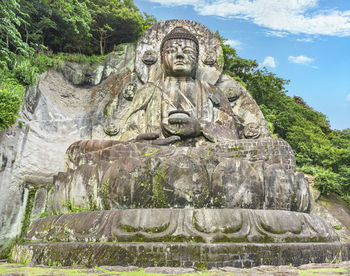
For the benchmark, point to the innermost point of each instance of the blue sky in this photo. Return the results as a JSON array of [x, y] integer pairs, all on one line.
[[304, 41]]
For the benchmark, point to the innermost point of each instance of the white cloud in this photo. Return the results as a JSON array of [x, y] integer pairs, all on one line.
[[291, 16], [276, 33], [178, 2], [348, 97], [306, 39], [269, 61], [304, 60], [234, 43]]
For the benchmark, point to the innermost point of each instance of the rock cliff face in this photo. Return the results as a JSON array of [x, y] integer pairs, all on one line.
[[62, 108]]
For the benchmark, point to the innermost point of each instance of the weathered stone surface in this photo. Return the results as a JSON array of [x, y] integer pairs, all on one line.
[[122, 59], [238, 183], [302, 193], [339, 268], [200, 101], [242, 173], [79, 74], [278, 188], [93, 74], [335, 211], [172, 270], [246, 111], [195, 255], [39, 204], [203, 225]]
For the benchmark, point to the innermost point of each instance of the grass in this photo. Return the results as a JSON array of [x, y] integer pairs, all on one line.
[[7, 268], [323, 271]]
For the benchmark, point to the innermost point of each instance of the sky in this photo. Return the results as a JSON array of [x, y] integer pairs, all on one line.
[[304, 41]]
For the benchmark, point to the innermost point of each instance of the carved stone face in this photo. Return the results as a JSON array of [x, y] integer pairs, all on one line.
[[180, 58]]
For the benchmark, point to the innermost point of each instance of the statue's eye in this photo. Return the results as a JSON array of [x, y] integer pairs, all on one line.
[[188, 51], [170, 51]]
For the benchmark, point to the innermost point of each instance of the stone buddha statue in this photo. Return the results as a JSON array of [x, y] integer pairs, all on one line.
[[177, 105], [184, 135]]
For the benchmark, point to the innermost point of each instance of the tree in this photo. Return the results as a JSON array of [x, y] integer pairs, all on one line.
[[115, 22], [11, 42], [57, 25]]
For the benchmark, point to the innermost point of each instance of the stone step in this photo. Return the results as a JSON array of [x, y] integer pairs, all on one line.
[[196, 255]]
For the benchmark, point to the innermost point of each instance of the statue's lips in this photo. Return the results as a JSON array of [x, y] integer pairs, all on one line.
[[179, 63]]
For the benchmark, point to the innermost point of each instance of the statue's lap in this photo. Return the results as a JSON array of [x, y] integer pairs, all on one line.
[[256, 174]]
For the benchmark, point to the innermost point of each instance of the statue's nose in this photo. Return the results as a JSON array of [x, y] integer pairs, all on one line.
[[179, 53]]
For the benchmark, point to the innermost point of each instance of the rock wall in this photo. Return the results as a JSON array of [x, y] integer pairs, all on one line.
[[61, 108]]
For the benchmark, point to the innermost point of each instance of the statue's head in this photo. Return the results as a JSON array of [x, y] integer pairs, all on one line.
[[180, 51]]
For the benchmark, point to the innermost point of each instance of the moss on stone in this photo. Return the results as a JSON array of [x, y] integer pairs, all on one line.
[[104, 191], [224, 238], [130, 229], [28, 211], [160, 198], [6, 251], [152, 153], [73, 208]]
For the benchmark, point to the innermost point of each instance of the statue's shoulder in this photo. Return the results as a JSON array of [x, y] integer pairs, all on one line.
[[146, 92], [149, 86]]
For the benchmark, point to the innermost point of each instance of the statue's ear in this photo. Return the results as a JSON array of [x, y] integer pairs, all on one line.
[[156, 74]]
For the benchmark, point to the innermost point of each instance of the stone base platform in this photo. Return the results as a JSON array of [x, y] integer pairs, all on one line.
[[183, 225], [198, 255]]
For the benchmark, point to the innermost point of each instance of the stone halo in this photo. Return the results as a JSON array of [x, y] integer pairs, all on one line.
[[151, 41]]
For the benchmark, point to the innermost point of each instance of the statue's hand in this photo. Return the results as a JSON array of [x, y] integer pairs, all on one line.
[[183, 127]]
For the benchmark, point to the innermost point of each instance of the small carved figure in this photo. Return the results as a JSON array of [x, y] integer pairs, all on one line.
[[252, 131], [129, 91], [149, 57], [209, 58], [111, 126]]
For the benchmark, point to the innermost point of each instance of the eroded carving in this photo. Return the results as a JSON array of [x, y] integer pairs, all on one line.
[[202, 225], [209, 58], [149, 57]]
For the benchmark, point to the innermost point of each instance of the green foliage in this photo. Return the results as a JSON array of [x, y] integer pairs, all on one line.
[[75, 208], [45, 214], [11, 42], [87, 26], [337, 227], [115, 22], [11, 94], [60, 25]]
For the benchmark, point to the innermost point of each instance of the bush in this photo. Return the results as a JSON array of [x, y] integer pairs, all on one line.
[[11, 96], [24, 71]]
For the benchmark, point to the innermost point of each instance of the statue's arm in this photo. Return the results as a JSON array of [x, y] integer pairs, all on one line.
[[222, 129], [142, 119]]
